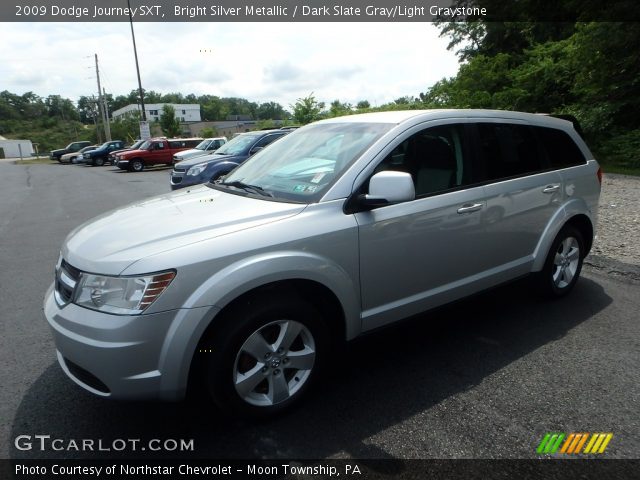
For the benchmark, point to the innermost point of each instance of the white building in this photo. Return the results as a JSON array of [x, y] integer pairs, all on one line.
[[185, 112], [15, 148]]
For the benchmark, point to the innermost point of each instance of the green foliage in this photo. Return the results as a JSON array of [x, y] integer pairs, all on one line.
[[621, 151], [208, 132], [270, 110], [49, 133], [169, 122], [589, 70], [307, 110], [126, 128], [264, 124], [338, 109]]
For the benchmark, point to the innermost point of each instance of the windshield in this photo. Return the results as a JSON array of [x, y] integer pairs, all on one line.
[[203, 145], [301, 166], [237, 145], [136, 145], [146, 145]]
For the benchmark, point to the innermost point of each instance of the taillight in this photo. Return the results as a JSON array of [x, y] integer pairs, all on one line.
[[599, 174]]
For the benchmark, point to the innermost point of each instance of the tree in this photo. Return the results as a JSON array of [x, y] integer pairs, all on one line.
[[126, 128], [208, 132], [168, 122], [338, 109], [307, 109], [270, 110], [363, 105]]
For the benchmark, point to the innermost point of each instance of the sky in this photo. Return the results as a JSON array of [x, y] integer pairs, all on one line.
[[261, 62]]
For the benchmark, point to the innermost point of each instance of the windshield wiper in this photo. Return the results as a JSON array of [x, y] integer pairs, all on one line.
[[247, 188]]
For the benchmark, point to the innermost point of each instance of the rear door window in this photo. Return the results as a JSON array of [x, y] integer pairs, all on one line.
[[509, 150]]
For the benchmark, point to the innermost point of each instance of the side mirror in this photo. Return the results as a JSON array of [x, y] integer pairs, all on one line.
[[386, 188], [255, 150]]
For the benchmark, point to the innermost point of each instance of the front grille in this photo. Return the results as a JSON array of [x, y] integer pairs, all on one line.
[[179, 169], [66, 279], [176, 180]]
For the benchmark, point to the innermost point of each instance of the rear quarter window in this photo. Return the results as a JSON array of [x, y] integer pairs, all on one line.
[[560, 148]]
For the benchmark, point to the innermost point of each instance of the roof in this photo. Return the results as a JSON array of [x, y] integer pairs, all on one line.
[[401, 116]]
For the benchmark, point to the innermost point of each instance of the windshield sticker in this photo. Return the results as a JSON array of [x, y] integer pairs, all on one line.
[[299, 188], [317, 177]]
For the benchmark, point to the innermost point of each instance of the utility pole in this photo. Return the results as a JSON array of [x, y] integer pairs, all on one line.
[[107, 126], [94, 115], [135, 53], [103, 114]]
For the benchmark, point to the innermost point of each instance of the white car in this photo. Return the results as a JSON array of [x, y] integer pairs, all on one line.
[[73, 157], [208, 145]]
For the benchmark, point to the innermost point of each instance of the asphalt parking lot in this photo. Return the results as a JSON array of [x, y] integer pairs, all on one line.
[[485, 378]]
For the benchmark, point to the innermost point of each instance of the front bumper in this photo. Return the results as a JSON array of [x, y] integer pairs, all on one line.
[[182, 180], [125, 357], [122, 164]]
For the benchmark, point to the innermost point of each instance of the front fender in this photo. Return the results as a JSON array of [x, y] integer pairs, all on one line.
[[250, 273], [221, 288]]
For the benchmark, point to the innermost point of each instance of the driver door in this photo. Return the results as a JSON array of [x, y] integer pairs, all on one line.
[[422, 253]]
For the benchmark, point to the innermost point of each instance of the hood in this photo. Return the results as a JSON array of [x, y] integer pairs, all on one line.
[[111, 242], [131, 153], [207, 158], [191, 152]]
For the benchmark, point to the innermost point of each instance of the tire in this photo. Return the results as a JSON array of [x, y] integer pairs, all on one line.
[[98, 161], [136, 165], [250, 369], [563, 264]]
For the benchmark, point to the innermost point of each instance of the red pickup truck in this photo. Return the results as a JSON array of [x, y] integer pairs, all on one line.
[[155, 151]]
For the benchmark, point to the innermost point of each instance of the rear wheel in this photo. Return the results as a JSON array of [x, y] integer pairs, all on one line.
[[563, 264], [266, 355], [136, 165]]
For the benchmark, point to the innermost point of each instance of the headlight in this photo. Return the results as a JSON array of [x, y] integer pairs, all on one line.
[[121, 295], [197, 169]]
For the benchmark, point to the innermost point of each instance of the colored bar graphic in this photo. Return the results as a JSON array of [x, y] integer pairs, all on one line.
[[605, 442], [597, 443]]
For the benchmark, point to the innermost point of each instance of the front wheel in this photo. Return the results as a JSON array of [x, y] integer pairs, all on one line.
[[98, 162], [266, 355], [563, 264], [136, 165]]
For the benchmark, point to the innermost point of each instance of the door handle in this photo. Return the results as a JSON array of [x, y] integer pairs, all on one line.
[[551, 189], [470, 207]]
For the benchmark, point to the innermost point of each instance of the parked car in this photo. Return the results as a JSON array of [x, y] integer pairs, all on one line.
[[71, 148], [205, 168], [73, 156], [341, 227], [134, 146], [100, 155], [152, 152], [208, 145]]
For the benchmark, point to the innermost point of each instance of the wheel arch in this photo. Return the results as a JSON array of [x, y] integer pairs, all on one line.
[[575, 213], [325, 286]]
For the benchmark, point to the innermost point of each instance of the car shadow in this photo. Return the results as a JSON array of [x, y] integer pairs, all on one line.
[[380, 380]]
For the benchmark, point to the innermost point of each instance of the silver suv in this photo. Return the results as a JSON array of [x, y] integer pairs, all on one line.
[[341, 227]]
